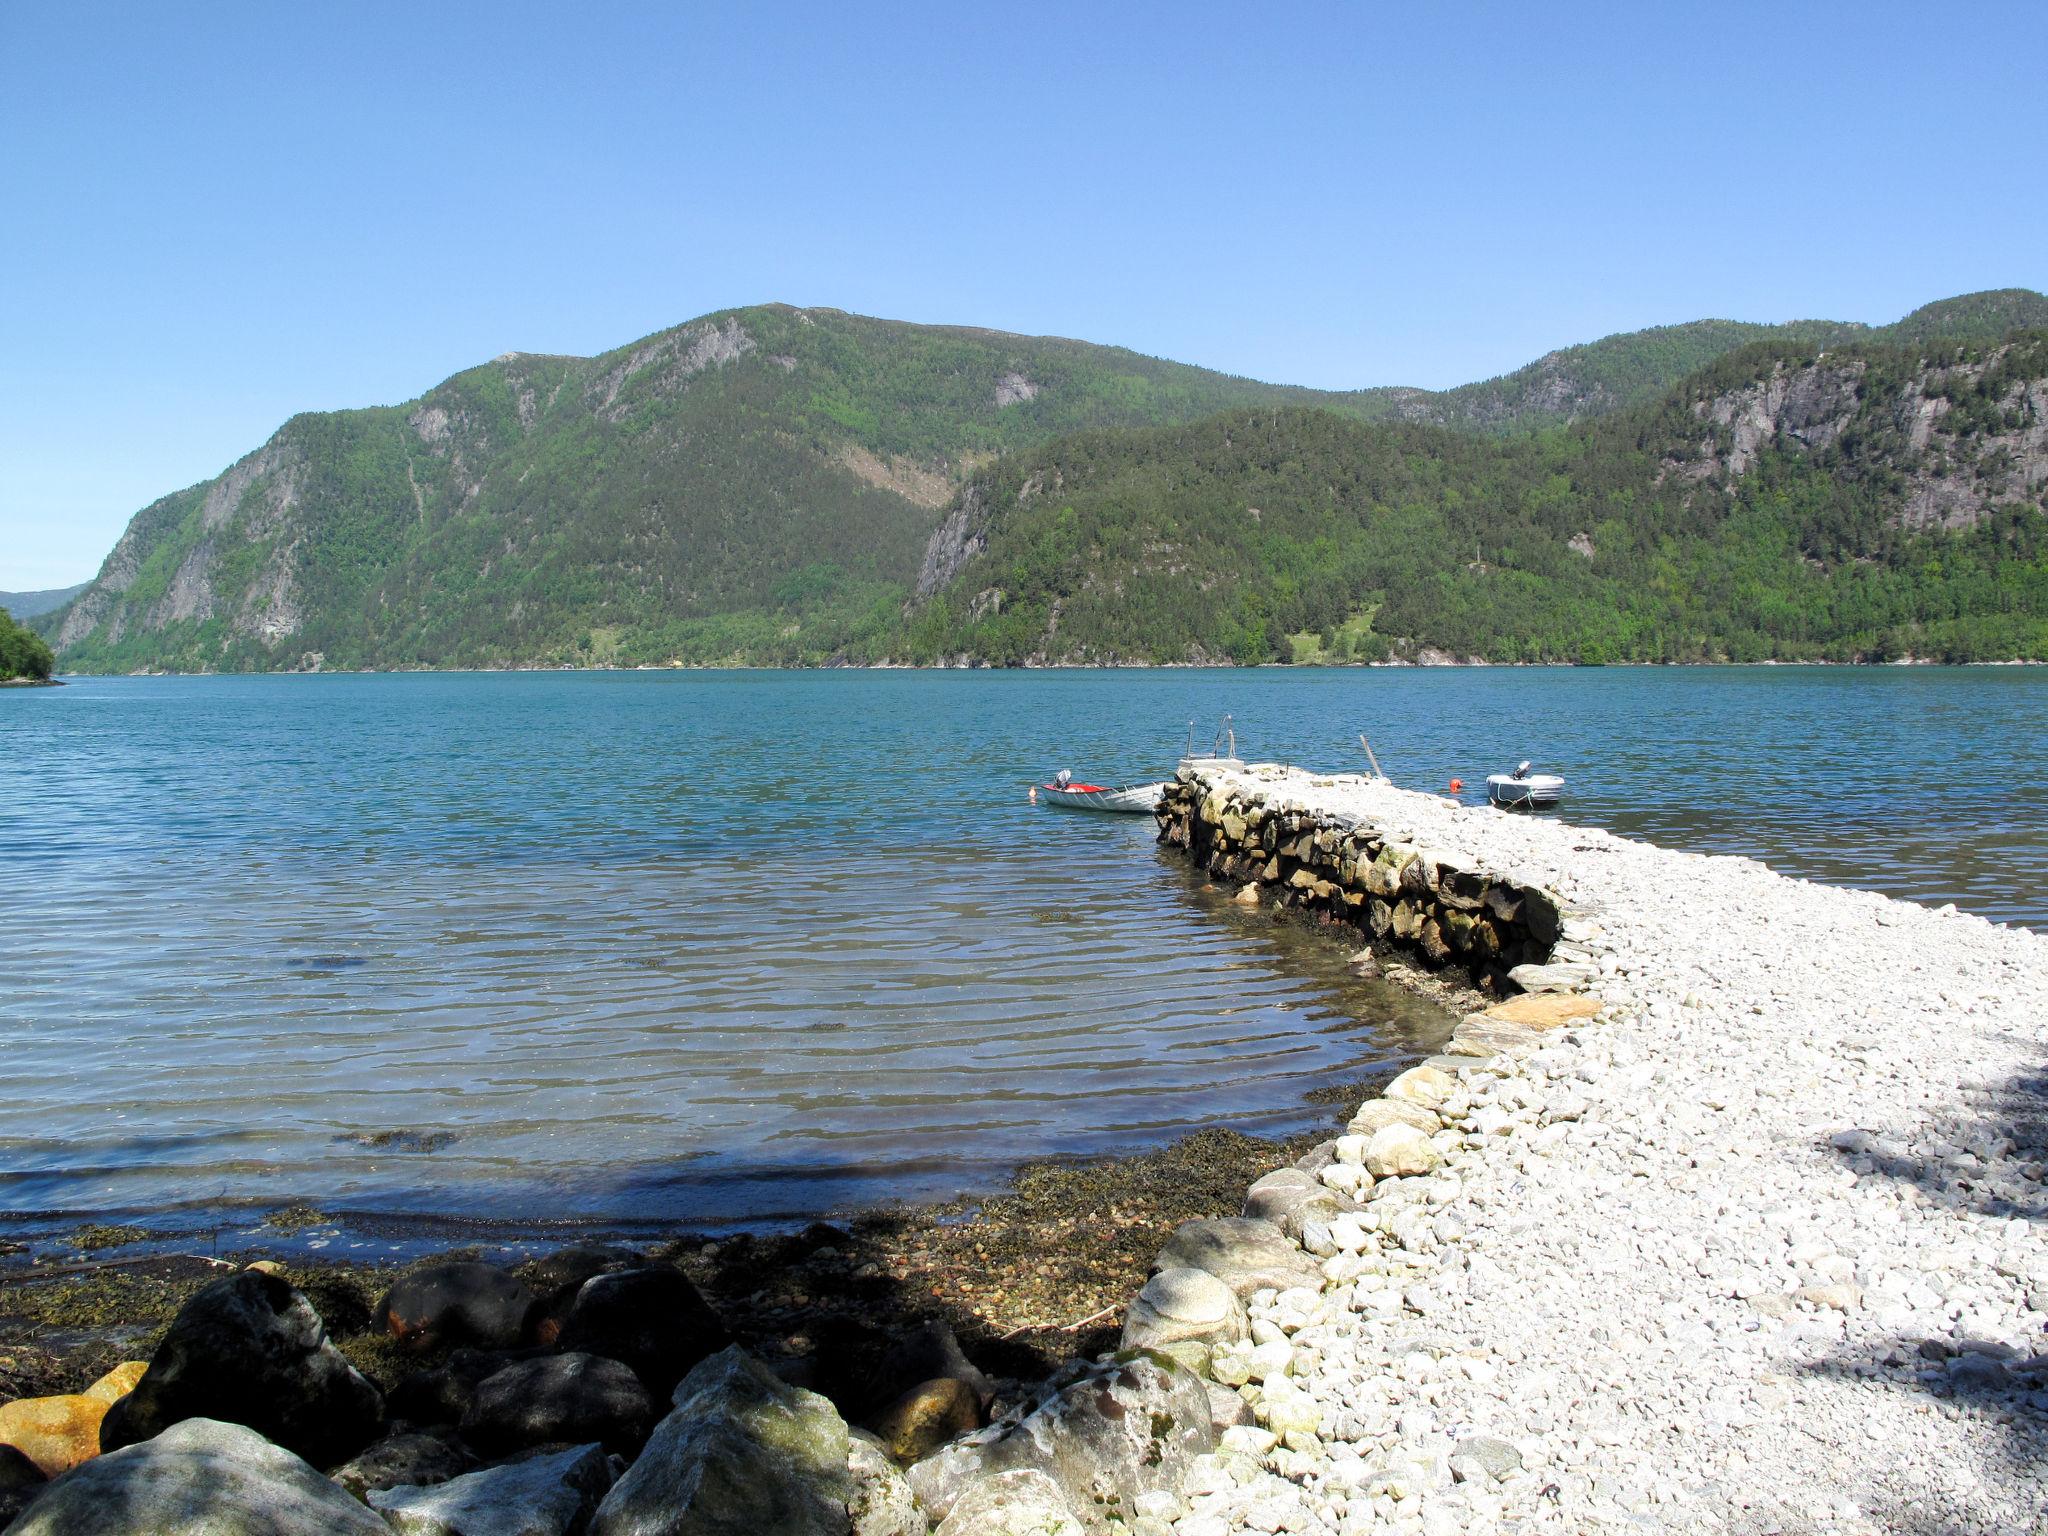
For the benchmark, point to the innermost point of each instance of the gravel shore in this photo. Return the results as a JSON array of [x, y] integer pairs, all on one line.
[[1763, 1247]]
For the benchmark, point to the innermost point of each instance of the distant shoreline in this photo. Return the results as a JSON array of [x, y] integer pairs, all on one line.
[[1910, 662]]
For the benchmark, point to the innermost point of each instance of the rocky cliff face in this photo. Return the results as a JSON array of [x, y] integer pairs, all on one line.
[[248, 507], [1962, 433]]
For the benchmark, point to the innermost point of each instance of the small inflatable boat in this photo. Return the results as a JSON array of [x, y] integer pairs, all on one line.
[[1535, 791]]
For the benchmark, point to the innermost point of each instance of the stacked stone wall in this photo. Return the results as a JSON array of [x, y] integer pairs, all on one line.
[[1442, 908]]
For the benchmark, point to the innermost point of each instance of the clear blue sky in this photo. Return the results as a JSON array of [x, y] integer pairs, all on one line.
[[217, 215]]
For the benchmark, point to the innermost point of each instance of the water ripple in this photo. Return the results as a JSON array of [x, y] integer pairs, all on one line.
[[719, 945]]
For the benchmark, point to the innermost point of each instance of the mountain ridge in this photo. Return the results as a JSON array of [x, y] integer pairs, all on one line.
[[761, 481], [29, 605], [1787, 502]]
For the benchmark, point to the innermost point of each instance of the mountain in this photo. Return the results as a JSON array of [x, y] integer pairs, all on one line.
[[29, 605], [710, 489], [1619, 371], [758, 484], [1840, 502]]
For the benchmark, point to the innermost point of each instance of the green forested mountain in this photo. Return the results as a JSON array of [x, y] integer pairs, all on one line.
[[29, 605], [698, 493], [761, 484], [23, 653], [1619, 371], [1857, 502]]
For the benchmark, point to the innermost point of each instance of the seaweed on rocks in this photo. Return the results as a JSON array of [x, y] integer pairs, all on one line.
[[1024, 1279]]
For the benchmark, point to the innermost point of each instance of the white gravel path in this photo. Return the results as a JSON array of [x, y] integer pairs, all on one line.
[[1764, 1248]]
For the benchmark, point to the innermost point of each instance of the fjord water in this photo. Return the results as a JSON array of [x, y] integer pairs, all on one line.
[[715, 946]]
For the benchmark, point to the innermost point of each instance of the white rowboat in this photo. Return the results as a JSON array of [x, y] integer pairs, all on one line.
[[1130, 799]]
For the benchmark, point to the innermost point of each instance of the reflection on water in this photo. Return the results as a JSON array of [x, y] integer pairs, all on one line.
[[702, 945]]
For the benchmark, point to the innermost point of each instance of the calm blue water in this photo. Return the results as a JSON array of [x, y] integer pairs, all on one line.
[[729, 945]]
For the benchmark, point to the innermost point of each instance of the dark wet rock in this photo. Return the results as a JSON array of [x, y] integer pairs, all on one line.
[[336, 1297], [882, 1503], [1105, 1432], [926, 1353], [201, 1477], [650, 1319], [1025, 1502], [546, 1495], [570, 1267], [409, 1458], [251, 1350], [558, 1278], [1245, 1254], [20, 1481], [819, 1240], [926, 1417], [798, 1370], [743, 1452], [560, 1398], [456, 1303], [443, 1393]]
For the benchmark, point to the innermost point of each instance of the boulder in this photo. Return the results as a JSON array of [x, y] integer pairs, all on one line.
[[443, 1395], [200, 1477], [1554, 977], [551, 1494], [55, 1433], [420, 1460], [567, 1398], [1399, 1151], [650, 1319], [743, 1452], [1290, 1199], [926, 1417], [1426, 1086], [1545, 1010], [1185, 1314], [1227, 1408], [572, 1266], [1025, 1502], [21, 1480], [1317, 1157], [118, 1382], [251, 1350], [1383, 1112], [925, 1353], [1483, 1037], [882, 1503], [1540, 914], [1245, 1254], [461, 1302], [558, 1277], [1105, 1432]]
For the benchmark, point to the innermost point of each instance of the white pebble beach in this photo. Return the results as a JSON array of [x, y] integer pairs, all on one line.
[[1761, 1247]]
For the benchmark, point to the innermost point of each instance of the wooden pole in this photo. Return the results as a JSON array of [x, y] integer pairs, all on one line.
[[1370, 758]]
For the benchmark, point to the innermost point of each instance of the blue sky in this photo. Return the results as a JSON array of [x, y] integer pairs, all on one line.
[[219, 215]]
